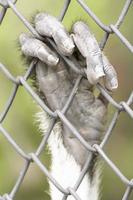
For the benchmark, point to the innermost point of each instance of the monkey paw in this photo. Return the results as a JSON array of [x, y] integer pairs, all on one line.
[[56, 80]]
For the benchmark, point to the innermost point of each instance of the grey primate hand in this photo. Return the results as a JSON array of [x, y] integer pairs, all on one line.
[[55, 79]]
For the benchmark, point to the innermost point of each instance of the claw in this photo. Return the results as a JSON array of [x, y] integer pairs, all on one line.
[[48, 25], [36, 48]]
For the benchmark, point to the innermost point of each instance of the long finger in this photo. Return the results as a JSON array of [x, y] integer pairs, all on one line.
[[48, 25], [111, 81], [33, 47], [89, 48]]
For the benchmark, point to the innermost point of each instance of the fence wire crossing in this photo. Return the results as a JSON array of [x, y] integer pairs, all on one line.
[[22, 81]]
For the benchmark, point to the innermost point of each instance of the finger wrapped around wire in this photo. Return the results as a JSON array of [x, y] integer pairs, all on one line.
[[97, 65], [47, 25]]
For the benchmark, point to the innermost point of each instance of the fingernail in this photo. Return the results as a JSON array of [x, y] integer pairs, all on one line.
[[99, 71], [22, 38], [53, 60], [46, 56], [68, 45], [91, 75], [94, 72], [111, 75], [113, 83]]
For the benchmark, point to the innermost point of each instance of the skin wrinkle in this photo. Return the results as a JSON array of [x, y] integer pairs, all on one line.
[[74, 113], [87, 113]]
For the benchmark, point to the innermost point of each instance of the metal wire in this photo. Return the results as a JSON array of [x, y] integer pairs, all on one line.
[[22, 81]]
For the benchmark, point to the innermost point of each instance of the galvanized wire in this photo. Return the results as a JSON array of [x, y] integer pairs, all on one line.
[[124, 106]]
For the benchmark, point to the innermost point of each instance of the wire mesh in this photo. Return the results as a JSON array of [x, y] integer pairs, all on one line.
[[124, 106]]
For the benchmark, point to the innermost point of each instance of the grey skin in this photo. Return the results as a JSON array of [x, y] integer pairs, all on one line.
[[55, 81], [87, 113]]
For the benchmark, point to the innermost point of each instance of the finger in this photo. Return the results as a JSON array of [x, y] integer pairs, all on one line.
[[48, 25], [89, 48], [111, 81], [92, 72], [33, 47]]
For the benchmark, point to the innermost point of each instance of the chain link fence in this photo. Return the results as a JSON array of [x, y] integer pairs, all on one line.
[[123, 106]]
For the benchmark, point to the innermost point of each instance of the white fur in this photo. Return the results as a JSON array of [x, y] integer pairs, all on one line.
[[64, 168]]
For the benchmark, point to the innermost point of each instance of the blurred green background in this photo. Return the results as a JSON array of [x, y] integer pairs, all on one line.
[[20, 121]]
